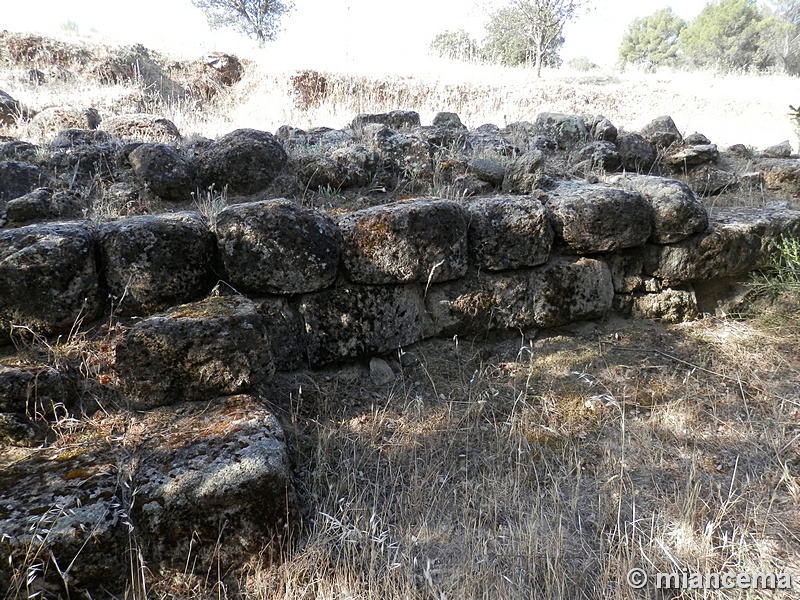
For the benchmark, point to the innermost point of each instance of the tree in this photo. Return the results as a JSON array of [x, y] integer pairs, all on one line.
[[652, 41], [257, 19], [456, 45], [726, 34], [782, 35], [529, 31]]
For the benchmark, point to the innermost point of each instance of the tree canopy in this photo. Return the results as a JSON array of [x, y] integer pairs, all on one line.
[[652, 41], [257, 19], [522, 32], [727, 35]]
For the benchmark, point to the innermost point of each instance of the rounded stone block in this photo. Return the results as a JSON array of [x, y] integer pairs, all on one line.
[[278, 247]]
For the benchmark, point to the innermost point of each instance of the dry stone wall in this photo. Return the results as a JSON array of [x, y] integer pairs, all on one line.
[[339, 286], [208, 312]]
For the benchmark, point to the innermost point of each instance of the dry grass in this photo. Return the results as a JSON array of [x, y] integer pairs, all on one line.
[[548, 468]]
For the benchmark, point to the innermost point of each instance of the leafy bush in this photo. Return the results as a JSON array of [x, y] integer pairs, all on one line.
[[582, 63]]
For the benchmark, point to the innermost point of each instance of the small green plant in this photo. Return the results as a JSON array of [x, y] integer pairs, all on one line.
[[782, 273]]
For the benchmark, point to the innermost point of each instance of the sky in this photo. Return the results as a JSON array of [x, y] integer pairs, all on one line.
[[328, 31]]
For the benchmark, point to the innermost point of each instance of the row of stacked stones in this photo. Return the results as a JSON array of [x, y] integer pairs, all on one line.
[[275, 285]]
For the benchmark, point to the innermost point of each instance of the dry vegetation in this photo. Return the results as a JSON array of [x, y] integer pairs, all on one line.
[[537, 465]]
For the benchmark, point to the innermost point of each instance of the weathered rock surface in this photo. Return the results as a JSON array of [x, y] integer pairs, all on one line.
[[685, 157], [677, 213], [509, 232], [278, 247], [286, 332], [346, 167], [661, 132], [780, 175], [19, 178], [736, 243], [396, 119], [206, 482], [43, 205], [424, 241], [218, 346], [601, 129], [215, 485], [638, 155], [165, 172], [152, 262], [245, 161], [600, 154], [142, 127], [670, 306], [10, 109], [707, 180], [559, 292], [524, 173], [355, 320], [487, 170], [569, 131], [54, 119], [782, 150], [597, 218], [49, 277]]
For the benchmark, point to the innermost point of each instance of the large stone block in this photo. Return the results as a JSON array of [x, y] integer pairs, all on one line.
[[356, 320], [278, 247], [677, 213], [185, 489], [49, 278], [424, 241], [509, 232], [245, 161], [215, 485], [562, 291], [481, 302], [597, 218], [737, 242], [152, 262], [566, 290], [198, 351]]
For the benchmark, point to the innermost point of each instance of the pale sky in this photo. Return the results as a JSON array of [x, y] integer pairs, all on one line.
[[330, 30]]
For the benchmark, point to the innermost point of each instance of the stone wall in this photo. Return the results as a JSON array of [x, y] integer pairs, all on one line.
[[329, 287]]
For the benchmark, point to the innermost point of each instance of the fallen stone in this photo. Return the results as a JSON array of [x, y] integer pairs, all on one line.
[[244, 161], [380, 373], [685, 157], [661, 132], [165, 172], [669, 306], [524, 173], [396, 119], [142, 127], [708, 181], [45, 205], [638, 155], [782, 150], [180, 490], [569, 131], [19, 178], [779, 175]]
